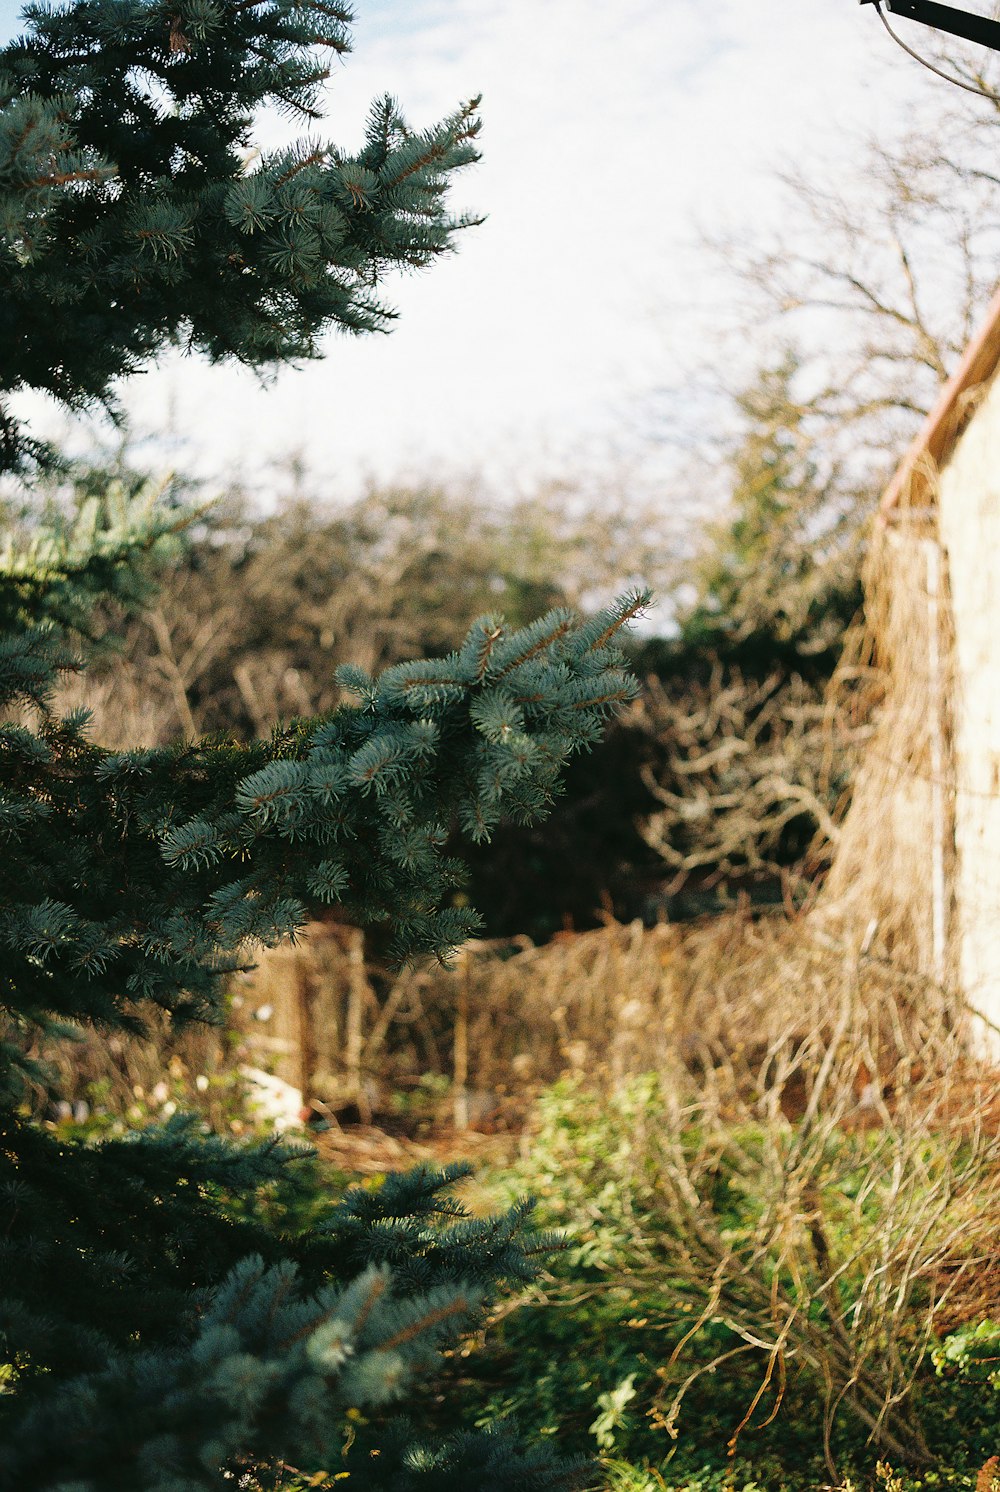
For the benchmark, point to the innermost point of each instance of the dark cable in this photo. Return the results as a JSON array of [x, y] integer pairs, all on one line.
[[969, 87]]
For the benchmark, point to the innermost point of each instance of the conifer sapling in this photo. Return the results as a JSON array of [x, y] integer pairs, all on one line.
[[157, 1335]]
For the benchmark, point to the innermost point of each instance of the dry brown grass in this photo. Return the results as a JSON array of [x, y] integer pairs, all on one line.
[[831, 1092], [509, 1017], [736, 1000], [833, 1088], [872, 1215]]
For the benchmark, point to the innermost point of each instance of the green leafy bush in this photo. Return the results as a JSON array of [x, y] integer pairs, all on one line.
[[600, 1353], [973, 1353]]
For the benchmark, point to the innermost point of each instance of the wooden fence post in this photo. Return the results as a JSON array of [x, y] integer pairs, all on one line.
[[357, 995], [460, 1059], [307, 1033]]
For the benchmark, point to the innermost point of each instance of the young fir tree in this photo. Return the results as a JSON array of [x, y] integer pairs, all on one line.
[[779, 579], [156, 1334]]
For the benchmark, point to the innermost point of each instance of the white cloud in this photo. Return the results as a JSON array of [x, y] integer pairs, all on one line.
[[612, 134]]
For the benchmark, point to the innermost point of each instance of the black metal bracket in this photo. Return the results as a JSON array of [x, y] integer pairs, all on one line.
[[945, 18]]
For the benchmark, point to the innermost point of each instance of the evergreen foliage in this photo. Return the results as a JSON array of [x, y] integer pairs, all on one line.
[[251, 619], [202, 850], [151, 1369], [156, 1333], [146, 876], [132, 213], [779, 578]]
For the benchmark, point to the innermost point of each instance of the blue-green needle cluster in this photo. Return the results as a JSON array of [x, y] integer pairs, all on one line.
[[158, 1331], [126, 137]]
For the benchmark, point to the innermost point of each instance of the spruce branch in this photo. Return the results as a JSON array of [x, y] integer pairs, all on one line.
[[78, 187], [164, 1331]]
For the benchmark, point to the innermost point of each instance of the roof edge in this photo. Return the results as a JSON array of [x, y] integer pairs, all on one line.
[[944, 424]]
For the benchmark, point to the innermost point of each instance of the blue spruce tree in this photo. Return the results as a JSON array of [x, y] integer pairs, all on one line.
[[157, 1333]]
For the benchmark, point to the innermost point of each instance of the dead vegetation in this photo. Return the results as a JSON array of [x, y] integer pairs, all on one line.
[[832, 1092], [751, 764], [818, 1152]]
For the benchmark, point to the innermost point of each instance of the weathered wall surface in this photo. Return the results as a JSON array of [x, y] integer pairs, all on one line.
[[892, 871], [969, 504]]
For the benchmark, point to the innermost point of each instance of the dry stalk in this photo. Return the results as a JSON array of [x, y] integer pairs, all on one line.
[[823, 1226], [749, 763]]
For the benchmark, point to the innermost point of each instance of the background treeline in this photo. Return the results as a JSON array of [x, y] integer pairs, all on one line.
[[723, 779]]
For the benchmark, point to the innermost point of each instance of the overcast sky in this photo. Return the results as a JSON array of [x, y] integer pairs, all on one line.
[[615, 130]]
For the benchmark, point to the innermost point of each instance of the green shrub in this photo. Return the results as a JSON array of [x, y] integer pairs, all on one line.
[[973, 1352], [599, 1353]]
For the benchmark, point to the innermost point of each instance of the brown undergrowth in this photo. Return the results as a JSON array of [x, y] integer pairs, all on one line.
[[821, 1159]]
